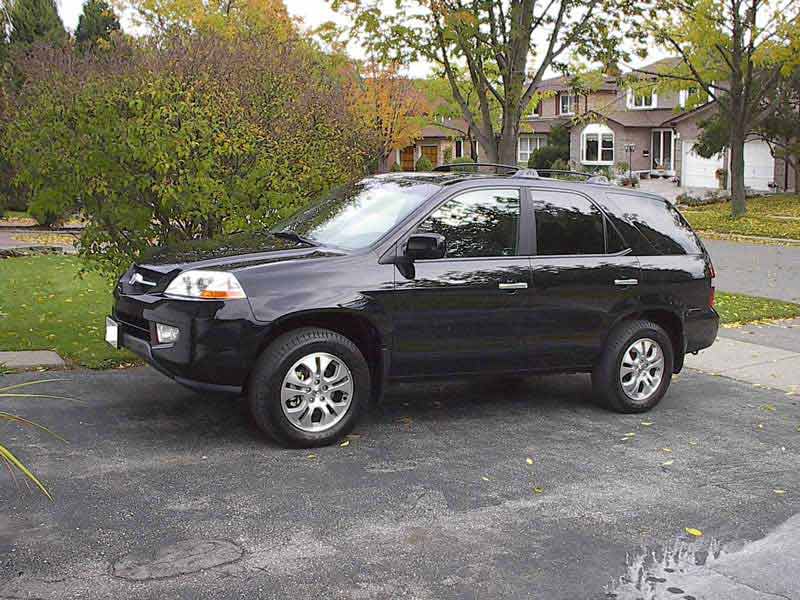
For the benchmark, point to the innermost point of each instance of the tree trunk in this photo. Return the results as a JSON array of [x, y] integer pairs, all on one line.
[[507, 144], [736, 174]]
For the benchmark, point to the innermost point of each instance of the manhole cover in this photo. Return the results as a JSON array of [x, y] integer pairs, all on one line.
[[172, 560]]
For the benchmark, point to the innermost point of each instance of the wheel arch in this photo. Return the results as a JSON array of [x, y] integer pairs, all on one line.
[[668, 319], [353, 325]]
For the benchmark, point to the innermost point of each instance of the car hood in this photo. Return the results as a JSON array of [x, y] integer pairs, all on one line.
[[230, 252]]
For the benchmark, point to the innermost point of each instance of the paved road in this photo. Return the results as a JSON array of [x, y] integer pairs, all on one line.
[[435, 499], [770, 271]]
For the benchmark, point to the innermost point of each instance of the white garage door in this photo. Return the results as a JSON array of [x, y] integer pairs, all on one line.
[[698, 171], [759, 166]]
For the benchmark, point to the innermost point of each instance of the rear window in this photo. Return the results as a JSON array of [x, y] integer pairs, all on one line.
[[660, 223]]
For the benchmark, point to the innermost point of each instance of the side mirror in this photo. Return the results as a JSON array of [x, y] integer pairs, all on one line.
[[422, 246]]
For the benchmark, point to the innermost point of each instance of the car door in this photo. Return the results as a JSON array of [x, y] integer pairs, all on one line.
[[462, 313], [584, 276]]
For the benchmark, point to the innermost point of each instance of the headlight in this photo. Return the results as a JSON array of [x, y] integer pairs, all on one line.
[[211, 285]]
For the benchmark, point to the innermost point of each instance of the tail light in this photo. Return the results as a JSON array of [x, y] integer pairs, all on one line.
[[711, 299]]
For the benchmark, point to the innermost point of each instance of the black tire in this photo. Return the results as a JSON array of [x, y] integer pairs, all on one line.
[[606, 378], [264, 386]]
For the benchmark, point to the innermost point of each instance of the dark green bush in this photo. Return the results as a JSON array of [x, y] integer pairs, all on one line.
[[423, 164]]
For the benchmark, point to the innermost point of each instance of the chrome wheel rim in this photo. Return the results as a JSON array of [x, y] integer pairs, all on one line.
[[317, 392], [642, 369]]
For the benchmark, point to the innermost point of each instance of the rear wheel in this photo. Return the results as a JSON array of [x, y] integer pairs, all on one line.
[[635, 369], [309, 387]]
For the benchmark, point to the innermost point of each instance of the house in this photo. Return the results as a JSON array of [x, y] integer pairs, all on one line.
[[652, 133], [440, 142]]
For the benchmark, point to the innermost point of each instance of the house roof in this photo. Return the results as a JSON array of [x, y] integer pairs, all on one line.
[[637, 118], [665, 64], [539, 125], [445, 129], [558, 84], [695, 112]]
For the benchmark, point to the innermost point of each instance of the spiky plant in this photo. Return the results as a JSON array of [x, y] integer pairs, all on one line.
[[6, 455]]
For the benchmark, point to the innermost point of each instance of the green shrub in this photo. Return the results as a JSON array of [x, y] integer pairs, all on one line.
[[543, 158], [396, 168], [561, 165], [423, 164], [182, 139]]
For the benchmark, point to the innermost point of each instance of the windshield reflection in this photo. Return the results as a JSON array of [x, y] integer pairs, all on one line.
[[357, 215]]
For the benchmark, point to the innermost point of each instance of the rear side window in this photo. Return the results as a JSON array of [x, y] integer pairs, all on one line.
[[660, 223], [568, 224], [481, 223]]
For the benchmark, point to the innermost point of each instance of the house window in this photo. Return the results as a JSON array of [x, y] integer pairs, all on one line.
[[527, 145], [461, 147], [639, 100], [685, 95], [597, 145], [567, 104]]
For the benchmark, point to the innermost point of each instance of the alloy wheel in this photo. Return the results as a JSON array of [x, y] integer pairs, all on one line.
[[317, 392], [642, 369]]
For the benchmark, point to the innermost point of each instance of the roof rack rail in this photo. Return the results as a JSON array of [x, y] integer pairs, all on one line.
[[462, 166], [553, 173], [524, 172]]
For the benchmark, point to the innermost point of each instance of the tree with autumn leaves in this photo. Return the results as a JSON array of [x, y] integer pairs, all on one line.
[[391, 105]]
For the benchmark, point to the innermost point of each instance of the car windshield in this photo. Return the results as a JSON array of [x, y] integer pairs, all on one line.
[[355, 216]]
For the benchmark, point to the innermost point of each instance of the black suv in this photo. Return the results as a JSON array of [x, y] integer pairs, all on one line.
[[416, 275]]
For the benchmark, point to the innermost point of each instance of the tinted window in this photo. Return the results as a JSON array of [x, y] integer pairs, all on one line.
[[359, 214], [659, 222], [479, 223], [567, 224]]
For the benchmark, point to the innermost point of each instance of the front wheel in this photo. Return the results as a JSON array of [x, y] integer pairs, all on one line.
[[309, 387], [635, 369]]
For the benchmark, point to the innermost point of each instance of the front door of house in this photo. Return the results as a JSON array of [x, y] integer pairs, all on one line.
[[662, 151], [431, 153], [407, 158]]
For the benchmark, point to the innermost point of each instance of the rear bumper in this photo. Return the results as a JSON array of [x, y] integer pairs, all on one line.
[[701, 329], [215, 350]]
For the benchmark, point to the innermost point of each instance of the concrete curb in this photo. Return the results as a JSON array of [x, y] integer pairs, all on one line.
[[32, 359]]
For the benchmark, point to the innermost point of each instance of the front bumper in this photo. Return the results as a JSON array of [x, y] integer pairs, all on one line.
[[215, 350]]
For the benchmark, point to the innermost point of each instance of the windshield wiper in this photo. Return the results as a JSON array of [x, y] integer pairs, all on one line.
[[294, 236]]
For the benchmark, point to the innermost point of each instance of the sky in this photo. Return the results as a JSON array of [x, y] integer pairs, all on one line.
[[312, 12]]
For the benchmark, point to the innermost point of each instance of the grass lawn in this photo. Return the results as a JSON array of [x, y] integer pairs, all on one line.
[[738, 308], [773, 216], [44, 305]]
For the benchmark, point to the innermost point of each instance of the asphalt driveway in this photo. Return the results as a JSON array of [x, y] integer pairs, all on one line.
[[767, 270], [164, 493]]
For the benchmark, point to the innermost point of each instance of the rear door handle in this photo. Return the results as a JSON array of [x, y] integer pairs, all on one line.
[[626, 282], [513, 286]]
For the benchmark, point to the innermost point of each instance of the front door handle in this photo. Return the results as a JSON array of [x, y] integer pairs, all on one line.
[[513, 286], [626, 282]]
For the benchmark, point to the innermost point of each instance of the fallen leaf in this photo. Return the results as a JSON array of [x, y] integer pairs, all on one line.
[[538, 490], [485, 478], [312, 456], [768, 407], [779, 492], [344, 444], [630, 434], [666, 449], [646, 423], [529, 461], [692, 531], [667, 463]]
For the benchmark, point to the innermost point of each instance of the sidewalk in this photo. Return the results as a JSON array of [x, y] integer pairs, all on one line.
[[766, 355]]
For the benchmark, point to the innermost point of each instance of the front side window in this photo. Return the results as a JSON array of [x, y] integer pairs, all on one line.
[[528, 144], [459, 148], [567, 224], [481, 223]]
